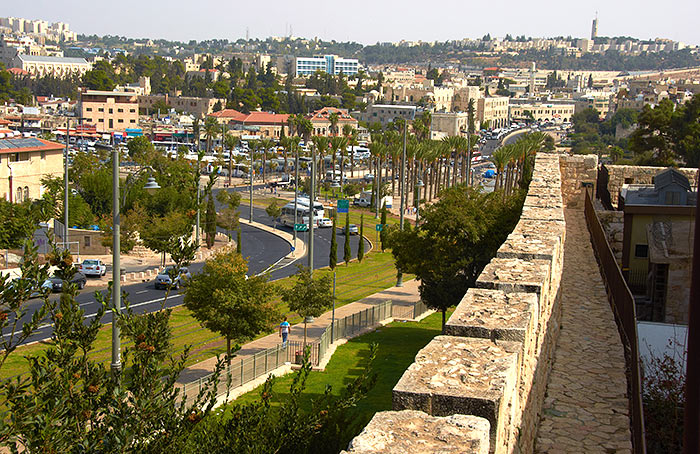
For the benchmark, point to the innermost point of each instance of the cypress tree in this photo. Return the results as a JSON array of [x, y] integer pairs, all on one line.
[[238, 240], [333, 256], [346, 251], [210, 222], [361, 246], [383, 233]]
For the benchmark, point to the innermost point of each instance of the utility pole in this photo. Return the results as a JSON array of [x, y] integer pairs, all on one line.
[[65, 187], [311, 210], [333, 313], [199, 160], [402, 186], [296, 191], [116, 265], [250, 174]]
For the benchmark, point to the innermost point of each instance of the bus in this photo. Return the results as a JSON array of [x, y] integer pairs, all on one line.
[[302, 212]]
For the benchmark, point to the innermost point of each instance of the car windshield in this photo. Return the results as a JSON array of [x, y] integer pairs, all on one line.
[[90, 262]]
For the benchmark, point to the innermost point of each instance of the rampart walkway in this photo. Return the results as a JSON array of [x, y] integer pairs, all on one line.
[[585, 408]]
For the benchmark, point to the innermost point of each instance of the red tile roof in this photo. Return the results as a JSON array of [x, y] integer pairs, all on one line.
[[265, 118], [229, 114], [18, 72], [19, 144], [324, 113]]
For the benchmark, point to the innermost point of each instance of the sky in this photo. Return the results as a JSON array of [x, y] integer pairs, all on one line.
[[367, 21]]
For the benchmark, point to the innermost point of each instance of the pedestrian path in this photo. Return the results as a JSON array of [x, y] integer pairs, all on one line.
[[585, 408], [407, 295]]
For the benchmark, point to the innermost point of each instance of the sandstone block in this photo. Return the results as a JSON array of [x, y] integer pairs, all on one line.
[[400, 432]]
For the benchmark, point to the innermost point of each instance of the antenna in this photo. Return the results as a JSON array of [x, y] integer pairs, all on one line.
[[247, 34]]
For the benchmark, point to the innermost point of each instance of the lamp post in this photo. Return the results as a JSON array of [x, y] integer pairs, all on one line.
[[150, 187], [296, 191], [419, 184], [333, 313], [311, 210], [250, 174], [65, 187]]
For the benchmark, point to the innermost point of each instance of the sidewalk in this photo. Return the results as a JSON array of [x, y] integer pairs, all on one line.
[[585, 408], [400, 296]]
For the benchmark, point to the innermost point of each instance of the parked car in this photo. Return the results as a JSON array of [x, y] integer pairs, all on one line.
[[164, 280], [352, 228], [55, 283], [93, 267], [325, 222]]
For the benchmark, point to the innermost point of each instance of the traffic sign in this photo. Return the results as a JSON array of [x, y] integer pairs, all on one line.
[[343, 205], [301, 227], [379, 227], [293, 248]]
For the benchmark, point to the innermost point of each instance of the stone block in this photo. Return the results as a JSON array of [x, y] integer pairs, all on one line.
[[400, 432], [515, 275], [538, 213], [493, 314], [530, 247], [457, 375]]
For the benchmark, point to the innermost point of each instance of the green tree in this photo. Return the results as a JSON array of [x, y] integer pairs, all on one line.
[[333, 255], [383, 234], [228, 217], [459, 234], [274, 211], [17, 224], [239, 246], [361, 246], [228, 302], [161, 233], [140, 149], [347, 254], [309, 296], [210, 222]]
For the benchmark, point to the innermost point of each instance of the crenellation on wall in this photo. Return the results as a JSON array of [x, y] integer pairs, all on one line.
[[459, 375], [496, 354], [399, 432]]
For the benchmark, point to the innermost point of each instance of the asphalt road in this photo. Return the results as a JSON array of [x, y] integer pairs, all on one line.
[[261, 248]]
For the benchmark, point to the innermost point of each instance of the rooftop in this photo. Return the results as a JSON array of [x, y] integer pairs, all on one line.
[[18, 144], [45, 59]]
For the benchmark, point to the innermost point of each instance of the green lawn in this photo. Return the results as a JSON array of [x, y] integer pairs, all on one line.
[[354, 282], [398, 342]]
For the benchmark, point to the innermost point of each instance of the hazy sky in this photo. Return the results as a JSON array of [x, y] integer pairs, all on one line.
[[367, 21]]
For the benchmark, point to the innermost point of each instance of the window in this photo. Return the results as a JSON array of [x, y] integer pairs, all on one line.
[[26, 193], [132, 110], [120, 110], [89, 109], [20, 192], [101, 120], [641, 251], [43, 155], [14, 157], [87, 241], [132, 121], [101, 109], [120, 121], [111, 110]]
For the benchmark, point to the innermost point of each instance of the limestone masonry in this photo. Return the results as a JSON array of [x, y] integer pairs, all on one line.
[[493, 364]]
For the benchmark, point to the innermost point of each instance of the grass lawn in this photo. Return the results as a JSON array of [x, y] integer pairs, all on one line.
[[353, 282], [398, 344]]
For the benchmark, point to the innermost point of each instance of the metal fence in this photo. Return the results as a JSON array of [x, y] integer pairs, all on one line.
[[263, 362], [623, 307]]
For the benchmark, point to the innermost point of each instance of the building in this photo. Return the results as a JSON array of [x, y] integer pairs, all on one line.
[[61, 67], [24, 162], [492, 111], [385, 113], [558, 113], [462, 97], [109, 111], [450, 123], [331, 64], [594, 28], [263, 124], [321, 121], [199, 107], [598, 100], [650, 212]]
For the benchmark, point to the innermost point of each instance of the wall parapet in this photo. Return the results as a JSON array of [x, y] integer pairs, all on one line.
[[494, 359]]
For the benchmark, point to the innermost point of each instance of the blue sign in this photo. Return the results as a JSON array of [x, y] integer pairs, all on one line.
[[343, 206]]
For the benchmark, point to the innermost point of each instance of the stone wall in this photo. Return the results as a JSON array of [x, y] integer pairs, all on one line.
[[613, 223], [575, 171], [614, 176], [493, 362]]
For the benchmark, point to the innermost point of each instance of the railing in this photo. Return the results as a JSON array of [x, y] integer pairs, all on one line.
[[262, 363], [623, 307]]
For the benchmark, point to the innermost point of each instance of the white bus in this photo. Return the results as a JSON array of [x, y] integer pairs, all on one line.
[[302, 216]]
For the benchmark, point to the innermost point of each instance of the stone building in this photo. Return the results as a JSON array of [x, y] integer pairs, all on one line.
[[61, 67], [109, 111], [199, 107]]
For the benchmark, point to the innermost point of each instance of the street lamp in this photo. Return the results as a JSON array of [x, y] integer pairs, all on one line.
[[150, 187], [419, 184]]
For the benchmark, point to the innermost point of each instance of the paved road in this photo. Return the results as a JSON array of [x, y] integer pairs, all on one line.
[[260, 247]]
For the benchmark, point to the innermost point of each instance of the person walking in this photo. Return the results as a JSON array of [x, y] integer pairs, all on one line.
[[284, 331]]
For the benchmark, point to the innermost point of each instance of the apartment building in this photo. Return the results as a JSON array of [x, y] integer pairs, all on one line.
[[493, 110], [199, 107], [385, 113], [109, 111], [42, 65], [24, 162], [450, 123], [331, 64], [558, 113]]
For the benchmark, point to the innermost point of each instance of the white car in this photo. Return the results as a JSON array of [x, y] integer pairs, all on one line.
[[325, 222], [93, 267]]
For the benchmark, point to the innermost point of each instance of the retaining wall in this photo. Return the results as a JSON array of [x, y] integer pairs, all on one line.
[[493, 362]]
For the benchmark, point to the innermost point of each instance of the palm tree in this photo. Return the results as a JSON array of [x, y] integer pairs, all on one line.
[[253, 146], [333, 118], [286, 144], [304, 127], [265, 145], [211, 131], [350, 133], [499, 159], [339, 144], [321, 143], [457, 144]]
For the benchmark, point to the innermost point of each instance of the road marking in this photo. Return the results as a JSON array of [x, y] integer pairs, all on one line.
[[95, 302], [142, 291]]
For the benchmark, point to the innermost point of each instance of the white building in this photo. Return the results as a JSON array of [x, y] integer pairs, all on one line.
[[331, 64], [39, 65]]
